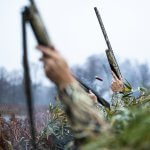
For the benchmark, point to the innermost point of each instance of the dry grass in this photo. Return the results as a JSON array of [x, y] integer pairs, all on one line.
[[15, 129]]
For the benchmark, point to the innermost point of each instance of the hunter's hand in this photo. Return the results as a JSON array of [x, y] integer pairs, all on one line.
[[56, 68], [117, 84], [93, 97]]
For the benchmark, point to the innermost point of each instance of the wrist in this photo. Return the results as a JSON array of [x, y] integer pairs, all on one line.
[[69, 80]]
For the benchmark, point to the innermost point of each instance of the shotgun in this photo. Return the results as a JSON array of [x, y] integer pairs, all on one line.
[[111, 57], [42, 37], [109, 52]]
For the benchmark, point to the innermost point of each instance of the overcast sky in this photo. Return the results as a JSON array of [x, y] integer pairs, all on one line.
[[75, 31]]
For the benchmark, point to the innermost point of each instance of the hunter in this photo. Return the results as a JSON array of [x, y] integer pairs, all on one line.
[[86, 121]]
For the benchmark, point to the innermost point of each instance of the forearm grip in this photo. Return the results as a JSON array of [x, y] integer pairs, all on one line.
[[36, 22]]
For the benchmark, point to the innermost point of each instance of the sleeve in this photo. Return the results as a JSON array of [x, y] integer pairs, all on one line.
[[86, 120]]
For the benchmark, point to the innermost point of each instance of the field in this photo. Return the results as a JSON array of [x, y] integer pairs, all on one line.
[[129, 120], [14, 126]]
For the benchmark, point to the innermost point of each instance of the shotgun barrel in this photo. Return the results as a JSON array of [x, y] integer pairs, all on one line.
[[109, 52]]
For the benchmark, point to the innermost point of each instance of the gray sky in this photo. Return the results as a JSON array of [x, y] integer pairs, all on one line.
[[75, 31]]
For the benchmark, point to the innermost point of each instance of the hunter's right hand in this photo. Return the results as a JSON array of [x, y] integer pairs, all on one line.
[[56, 68], [117, 84]]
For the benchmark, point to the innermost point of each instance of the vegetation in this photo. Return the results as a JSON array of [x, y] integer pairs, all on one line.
[[129, 116], [130, 123]]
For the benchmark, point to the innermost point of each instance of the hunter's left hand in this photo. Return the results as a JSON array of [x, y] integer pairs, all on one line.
[[56, 68]]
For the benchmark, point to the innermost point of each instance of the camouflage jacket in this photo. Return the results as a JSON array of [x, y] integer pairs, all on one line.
[[86, 120]]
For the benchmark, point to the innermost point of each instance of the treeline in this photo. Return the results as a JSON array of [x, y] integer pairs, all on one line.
[[12, 88], [137, 74], [12, 83]]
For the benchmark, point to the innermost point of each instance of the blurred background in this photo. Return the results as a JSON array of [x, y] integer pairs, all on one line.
[[74, 30]]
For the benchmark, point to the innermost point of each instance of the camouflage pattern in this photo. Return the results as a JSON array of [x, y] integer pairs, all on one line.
[[86, 120], [76, 119]]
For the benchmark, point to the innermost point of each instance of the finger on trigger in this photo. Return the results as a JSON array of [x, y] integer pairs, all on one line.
[[90, 91]]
